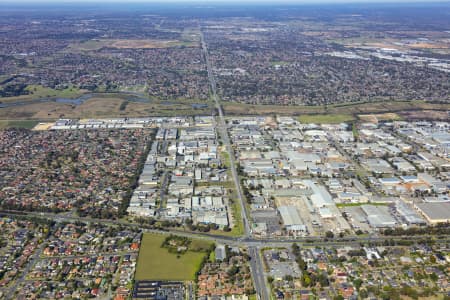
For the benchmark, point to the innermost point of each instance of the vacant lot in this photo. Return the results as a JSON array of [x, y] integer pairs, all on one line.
[[108, 105], [379, 117], [156, 263], [96, 44], [101, 107], [425, 114], [38, 91], [17, 123], [342, 109], [326, 119]]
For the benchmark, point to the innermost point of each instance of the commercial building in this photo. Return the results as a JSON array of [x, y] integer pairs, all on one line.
[[378, 216], [435, 212], [291, 219]]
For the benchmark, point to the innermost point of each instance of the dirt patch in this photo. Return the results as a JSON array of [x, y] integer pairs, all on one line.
[[141, 44], [385, 46], [43, 126], [97, 44], [374, 118], [425, 115], [346, 108], [428, 46]]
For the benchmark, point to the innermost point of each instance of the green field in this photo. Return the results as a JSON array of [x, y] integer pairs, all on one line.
[[97, 44], [18, 123], [326, 119], [348, 109], [39, 91], [225, 159], [156, 263], [238, 228], [355, 132]]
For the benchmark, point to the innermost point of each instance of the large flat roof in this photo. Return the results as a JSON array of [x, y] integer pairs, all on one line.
[[435, 210], [290, 215], [378, 216]]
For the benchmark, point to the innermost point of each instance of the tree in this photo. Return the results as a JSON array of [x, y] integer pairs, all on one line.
[[357, 283], [302, 264], [213, 226], [432, 259], [329, 234], [306, 280], [233, 271], [363, 293], [323, 279]]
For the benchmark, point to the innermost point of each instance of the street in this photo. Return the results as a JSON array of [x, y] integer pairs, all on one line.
[[255, 264]]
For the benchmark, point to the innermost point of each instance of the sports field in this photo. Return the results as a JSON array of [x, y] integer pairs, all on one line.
[[156, 263]]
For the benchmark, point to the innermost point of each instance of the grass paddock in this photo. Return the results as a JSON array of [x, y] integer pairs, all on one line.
[[156, 263]]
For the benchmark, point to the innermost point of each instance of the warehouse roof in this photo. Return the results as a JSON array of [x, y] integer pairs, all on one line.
[[290, 215], [378, 216], [435, 210]]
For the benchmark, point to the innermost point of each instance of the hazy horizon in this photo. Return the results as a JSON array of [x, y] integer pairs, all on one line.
[[222, 1]]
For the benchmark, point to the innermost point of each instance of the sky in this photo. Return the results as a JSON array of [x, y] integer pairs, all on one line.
[[58, 3], [222, 1]]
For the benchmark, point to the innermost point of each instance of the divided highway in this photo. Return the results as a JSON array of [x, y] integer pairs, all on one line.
[[222, 129], [256, 263]]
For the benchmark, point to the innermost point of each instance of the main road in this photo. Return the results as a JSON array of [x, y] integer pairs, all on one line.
[[254, 245], [256, 263], [232, 241], [223, 132]]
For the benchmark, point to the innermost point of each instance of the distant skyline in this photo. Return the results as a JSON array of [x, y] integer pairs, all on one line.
[[223, 1]]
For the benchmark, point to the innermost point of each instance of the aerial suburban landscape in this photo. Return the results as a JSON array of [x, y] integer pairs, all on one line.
[[224, 150]]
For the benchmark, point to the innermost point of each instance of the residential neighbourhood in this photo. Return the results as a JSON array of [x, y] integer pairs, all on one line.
[[65, 260], [88, 171], [379, 272]]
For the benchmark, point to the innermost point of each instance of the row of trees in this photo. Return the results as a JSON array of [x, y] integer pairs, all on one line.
[[440, 229], [14, 90]]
